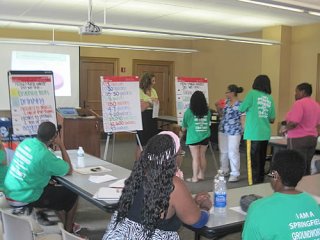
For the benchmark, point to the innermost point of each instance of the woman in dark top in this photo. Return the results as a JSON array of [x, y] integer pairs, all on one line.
[[154, 201]]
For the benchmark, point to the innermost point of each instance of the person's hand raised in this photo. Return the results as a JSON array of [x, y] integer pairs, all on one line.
[[58, 142]]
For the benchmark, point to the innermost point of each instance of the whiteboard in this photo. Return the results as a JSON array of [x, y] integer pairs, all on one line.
[[32, 100], [121, 103], [185, 87]]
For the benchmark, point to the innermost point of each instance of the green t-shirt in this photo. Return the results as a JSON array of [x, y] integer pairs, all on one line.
[[259, 108], [283, 217], [198, 129], [3, 168], [30, 170]]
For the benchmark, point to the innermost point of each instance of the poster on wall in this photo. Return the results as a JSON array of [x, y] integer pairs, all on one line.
[[120, 103], [32, 100], [185, 87]]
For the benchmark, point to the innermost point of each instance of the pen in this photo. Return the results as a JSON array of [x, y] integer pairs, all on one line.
[[95, 169]]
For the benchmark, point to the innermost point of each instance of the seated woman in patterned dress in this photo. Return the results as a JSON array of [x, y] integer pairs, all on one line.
[[154, 201]]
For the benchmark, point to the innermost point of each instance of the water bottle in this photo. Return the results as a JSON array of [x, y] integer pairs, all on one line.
[[220, 194], [80, 154]]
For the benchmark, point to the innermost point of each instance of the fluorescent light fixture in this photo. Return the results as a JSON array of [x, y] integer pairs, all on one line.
[[286, 6], [246, 41], [193, 35], [166, 34], [294, 9], [98, 45], [314, 13]]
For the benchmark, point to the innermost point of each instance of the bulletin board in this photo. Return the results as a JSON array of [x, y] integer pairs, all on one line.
[[185, 87], [32, 100], [121, 103]]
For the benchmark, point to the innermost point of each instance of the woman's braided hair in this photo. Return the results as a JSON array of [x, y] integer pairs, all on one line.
[[154, 173]]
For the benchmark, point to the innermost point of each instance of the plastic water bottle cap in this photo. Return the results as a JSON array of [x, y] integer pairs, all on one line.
[[80, 152]]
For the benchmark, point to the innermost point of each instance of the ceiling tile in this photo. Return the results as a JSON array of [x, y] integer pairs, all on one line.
[[205, 16]]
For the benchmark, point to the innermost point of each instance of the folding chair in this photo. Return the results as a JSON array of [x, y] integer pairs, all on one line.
[[21, 227], [68, 236]]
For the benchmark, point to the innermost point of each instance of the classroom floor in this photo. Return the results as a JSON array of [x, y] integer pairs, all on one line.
[[94, 220]]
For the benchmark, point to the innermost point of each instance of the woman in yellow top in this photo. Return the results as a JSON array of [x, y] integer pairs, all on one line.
[[148, 96]]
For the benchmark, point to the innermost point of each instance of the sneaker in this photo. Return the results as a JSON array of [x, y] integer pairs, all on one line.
[[225, 174], [24, 210], [233, 178]]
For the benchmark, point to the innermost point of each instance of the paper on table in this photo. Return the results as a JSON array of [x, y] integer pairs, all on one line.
[[118, 184], [101, 179], [105, 193], [238, 209], [91, 170]]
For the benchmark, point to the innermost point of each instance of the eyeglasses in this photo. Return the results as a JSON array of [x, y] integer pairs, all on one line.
[[272, 174]]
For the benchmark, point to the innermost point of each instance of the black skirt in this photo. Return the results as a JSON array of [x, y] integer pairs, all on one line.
[[149, 127]]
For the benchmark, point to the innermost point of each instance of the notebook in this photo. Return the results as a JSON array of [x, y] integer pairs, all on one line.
[[106, 193], [101, 178], [118, 184]]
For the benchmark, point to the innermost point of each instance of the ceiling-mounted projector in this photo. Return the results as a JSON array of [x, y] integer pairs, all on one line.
[[89, 28]]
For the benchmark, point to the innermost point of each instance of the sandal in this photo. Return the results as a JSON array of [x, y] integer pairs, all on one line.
[[200, 177], [42, 219], [192, 180], [76, 227], [81, 236]]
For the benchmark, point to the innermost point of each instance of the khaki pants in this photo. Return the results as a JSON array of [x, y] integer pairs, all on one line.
[[306, 146]]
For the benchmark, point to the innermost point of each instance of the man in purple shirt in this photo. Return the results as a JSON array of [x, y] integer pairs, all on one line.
[[303, 122]]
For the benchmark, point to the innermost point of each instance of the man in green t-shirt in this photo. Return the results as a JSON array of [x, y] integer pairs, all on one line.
[[27, 183], [288, 213]]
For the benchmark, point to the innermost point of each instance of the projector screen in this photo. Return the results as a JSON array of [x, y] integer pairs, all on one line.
[[63, 61]]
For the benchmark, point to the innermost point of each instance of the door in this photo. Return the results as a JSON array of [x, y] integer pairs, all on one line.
[[91, 69], [164, 81]]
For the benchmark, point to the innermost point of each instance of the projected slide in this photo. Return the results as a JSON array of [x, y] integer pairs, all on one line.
[[58, 63]]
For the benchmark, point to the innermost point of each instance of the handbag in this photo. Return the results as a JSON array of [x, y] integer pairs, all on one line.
[[246, 200]]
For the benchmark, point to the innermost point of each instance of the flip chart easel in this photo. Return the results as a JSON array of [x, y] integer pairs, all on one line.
[[120, 107], [185, 87], [32, 100]]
